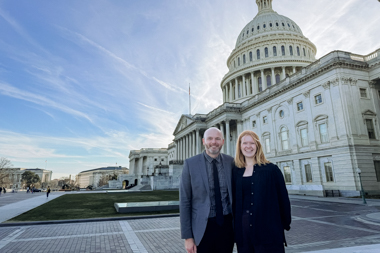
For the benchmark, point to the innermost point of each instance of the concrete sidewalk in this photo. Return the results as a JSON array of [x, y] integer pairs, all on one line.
[[32, 201], [375, 248]]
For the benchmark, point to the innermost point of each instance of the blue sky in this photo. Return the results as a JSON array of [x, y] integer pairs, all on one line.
[[84, 82]]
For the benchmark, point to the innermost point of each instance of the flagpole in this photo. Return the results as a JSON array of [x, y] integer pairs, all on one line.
[[189, 101]]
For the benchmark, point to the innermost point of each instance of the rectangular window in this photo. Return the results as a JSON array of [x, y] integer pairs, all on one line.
[[329, 173], [284, 140], [265, 119], [309, 177], [288, 176], [304, 139], [318, 99], [323, 133], [377, 170], [370, 129], [299, 106], [267, 145], [363, 93], [254, 123]]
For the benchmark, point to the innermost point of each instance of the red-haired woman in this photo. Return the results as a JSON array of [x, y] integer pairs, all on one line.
[[260, 200]]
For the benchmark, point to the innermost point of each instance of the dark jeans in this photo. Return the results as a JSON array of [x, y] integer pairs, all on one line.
[[217, 239]]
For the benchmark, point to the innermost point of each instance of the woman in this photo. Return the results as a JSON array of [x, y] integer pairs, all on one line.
[[260, 200]]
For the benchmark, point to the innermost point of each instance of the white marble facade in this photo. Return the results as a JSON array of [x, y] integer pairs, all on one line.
[[317, 119]]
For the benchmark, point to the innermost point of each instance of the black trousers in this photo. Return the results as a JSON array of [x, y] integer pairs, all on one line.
[[217, 239], [247, 244]]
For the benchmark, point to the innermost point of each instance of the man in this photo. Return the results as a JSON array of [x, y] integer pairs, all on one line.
[[206, 198], [47, 192]]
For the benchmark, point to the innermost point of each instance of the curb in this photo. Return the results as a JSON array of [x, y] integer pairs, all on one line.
[[14, 224]]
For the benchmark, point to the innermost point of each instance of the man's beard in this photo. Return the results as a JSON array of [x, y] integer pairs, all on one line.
[[213, 151]]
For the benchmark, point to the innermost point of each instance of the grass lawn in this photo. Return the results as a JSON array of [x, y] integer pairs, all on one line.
[[93, 205]]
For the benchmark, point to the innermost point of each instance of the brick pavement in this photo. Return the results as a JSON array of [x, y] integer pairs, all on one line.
[[316, 225]]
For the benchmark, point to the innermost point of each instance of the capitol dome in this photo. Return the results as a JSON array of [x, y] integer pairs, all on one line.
[[269, 48]]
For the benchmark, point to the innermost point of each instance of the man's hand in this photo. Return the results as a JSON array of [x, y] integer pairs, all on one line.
[[190, 246]]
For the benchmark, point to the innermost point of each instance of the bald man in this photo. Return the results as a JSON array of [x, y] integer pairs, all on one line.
[[206, 198]]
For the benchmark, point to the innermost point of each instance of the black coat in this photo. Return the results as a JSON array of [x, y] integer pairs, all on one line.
[[271, 206]]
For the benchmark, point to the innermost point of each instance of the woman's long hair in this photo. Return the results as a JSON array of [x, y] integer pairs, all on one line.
[[259, 156]]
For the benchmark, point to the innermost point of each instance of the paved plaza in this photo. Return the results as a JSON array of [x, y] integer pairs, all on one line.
[[319, 225]]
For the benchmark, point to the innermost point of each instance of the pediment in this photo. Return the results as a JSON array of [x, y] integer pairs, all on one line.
[[183, 122], [369, 113]]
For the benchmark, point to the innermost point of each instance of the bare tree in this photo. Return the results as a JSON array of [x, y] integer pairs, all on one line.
[[103, 180], [5, 170]]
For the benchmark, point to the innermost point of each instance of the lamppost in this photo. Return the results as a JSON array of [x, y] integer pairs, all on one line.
[[361, 185]]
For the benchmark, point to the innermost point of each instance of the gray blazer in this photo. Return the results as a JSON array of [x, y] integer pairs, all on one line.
[[195, 195]]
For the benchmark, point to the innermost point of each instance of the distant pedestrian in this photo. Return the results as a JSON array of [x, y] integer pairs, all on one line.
[[4, 190], [27, 189], [0, 190], [32, 189], [47, 192]]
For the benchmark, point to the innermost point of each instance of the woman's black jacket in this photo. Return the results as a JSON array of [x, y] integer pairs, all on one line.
[[270, 209]]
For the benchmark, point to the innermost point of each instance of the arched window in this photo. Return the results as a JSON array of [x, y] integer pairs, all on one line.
[[264, 26], [243, 58], [258, 54], [283, 50], [258, 27], [270, 24], [238, 61], [284, 138], [253, 29], [309, 53], [291, 50], [277, 78], [274, 51], [276, 24], [260, 84], [298, 51], [269, 82], [250, 56], [266, 52], [304, 52]]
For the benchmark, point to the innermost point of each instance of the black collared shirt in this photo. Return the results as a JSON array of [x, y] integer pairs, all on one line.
[[222, 184]]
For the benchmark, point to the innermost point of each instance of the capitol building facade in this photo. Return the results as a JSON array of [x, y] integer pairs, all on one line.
[[318, 119]]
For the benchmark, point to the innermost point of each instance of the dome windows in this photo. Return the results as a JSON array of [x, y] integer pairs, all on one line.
[[250, 56], [253, 29], [264, 26], [243, 58], [270, 24], [238, 61], [258, 27], [283, 50], [247, 31], [269, 81], [298, 51], [276, 24], [258, 54], [288, 25], [266, 52], [304, 52], [291, 50], [283, 24], [274, 51]]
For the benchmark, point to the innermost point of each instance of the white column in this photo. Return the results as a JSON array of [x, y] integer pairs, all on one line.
[[239, 127], [194, 143], [243, 88], [187, 146], [224, 136], [255, 89], [283, 73], [236, 89], [294, 69], [230, 91], [197, 141], [176, 150], [273, 77], [227, 138], [183, 148], [263, 81]]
